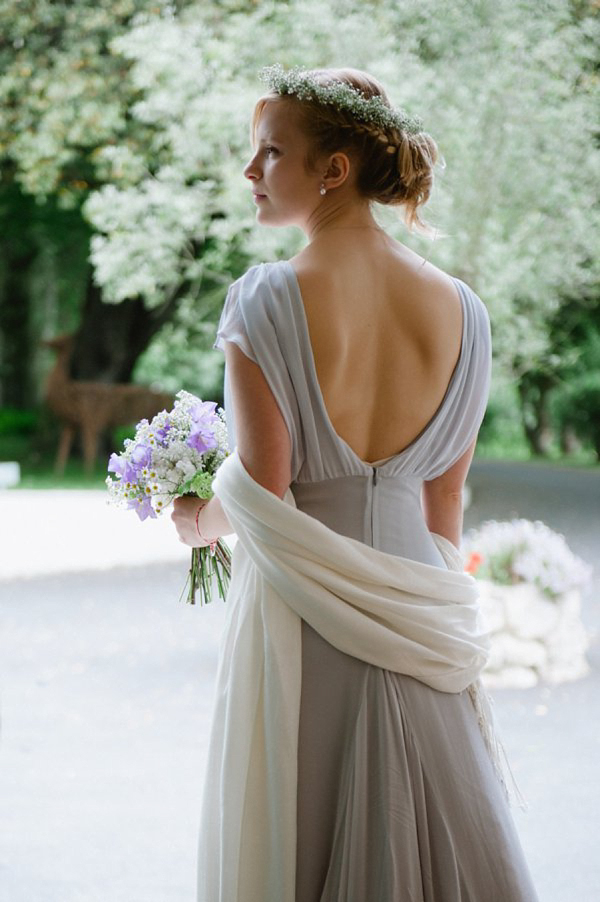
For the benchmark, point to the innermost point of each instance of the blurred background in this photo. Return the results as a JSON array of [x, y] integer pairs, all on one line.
[[124, 217]]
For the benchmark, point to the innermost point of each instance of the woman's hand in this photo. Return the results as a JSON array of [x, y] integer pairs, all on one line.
[[188, 521]]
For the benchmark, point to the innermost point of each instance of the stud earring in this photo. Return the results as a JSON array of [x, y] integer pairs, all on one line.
[[322, 190]]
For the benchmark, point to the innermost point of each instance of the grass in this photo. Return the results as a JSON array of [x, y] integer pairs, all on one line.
[[37, 467], [43, 476], [36, 453], [496, 448], [583, 459]]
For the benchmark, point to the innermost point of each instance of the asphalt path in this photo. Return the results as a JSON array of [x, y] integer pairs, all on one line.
[[107, 684], [552, 733]]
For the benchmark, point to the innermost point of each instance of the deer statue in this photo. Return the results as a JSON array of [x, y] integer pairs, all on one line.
[[93, 407]]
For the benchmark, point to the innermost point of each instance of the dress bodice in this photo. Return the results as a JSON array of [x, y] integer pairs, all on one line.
[[378, 504]]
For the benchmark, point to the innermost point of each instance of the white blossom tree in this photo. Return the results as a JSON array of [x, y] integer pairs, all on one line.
[[507, 92], [508, 89]]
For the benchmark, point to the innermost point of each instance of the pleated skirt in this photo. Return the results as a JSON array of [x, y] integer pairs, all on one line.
[[398, 800]]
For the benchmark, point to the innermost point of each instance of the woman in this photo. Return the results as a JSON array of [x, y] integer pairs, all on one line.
[[347, 762]]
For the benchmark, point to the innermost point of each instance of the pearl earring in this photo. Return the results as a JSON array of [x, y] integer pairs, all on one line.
[[322, 190]]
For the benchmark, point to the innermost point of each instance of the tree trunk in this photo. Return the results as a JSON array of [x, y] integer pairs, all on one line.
[[15, 332], [112, 336], [569, 442], [533, 389]]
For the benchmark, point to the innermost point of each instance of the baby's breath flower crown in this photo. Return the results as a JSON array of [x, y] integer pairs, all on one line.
[[371, 110]]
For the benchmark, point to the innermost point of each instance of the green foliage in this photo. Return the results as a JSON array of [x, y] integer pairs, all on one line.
[[201, 485], [17, 422], [578, 406], [63, 92], [504, 89], [39, 474], [574, 402], [137, 111], [501, 434], [120, 434]]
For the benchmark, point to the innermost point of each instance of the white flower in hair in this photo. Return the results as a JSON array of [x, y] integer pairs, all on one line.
[[371, 110]]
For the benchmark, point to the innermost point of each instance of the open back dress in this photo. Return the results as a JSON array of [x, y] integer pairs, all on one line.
[[397, 799]]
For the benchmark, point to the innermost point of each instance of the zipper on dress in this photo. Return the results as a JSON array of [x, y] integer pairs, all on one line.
[[373, 485]]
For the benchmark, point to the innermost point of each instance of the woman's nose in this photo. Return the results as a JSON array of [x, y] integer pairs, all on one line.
[[250, 169]]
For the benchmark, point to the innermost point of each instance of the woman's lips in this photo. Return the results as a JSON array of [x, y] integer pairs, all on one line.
[[259, 197]]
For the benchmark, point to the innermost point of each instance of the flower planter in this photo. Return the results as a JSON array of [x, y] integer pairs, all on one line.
[[530, 583], [533, 637]]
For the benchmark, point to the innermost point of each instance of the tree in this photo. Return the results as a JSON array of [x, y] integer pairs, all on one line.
[[504, 89], [64, 96], [165, 94], [574, 401]]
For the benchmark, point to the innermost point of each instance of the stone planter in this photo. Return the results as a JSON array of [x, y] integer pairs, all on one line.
[[533, 637]]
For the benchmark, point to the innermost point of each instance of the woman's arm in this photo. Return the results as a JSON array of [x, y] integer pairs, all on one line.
[[442, 499], [263, 443]]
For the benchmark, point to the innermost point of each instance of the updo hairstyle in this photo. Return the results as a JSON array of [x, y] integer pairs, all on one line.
[[394, 166]]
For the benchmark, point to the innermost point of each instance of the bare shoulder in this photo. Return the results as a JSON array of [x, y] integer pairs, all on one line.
[[432, 289], [424, 302]]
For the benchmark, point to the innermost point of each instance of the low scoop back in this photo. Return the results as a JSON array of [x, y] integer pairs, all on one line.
[[265, 316]]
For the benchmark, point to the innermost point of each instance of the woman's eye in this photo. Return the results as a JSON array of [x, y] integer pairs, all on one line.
[[270, 150]]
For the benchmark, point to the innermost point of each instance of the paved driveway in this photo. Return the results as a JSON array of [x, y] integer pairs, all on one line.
[[552, 734], [106, 695]]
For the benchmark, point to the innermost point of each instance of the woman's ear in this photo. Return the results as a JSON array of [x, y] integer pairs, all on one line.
[[337, 170]]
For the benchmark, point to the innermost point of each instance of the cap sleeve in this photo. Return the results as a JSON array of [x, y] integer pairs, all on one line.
[[254, 319], [232, 326]]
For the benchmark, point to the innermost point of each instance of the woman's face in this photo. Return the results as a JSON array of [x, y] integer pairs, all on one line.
[[284, 192]]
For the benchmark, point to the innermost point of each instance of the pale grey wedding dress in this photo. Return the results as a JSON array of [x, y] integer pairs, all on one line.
[[397, 798]]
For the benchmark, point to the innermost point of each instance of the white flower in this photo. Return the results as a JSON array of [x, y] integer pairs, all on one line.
[[186, 467], [528, 552]]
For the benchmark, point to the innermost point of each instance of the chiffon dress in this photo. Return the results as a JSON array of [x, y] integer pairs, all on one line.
[[397, 798]]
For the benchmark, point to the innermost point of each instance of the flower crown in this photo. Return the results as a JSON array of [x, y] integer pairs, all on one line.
[[370, 110]]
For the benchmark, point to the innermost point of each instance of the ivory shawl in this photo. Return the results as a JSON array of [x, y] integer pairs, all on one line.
[[397, 614]]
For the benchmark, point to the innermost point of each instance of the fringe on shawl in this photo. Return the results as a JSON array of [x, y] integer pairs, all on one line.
[[482, 704], [487, 724]]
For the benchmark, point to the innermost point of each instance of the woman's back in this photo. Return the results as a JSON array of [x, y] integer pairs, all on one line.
[[332, 473], [385, 331]]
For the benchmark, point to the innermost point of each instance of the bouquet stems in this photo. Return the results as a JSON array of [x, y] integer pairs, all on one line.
[[209, 565]]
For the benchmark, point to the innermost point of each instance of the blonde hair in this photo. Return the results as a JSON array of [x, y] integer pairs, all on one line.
[[395, 166]]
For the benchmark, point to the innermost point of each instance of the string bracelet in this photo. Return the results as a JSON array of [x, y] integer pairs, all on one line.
[[212, 543]]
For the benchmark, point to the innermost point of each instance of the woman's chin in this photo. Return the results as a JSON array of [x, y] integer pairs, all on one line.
[[262, 216], [268, 218]]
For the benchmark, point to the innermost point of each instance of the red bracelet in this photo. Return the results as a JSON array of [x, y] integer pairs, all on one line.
[[210, 542]]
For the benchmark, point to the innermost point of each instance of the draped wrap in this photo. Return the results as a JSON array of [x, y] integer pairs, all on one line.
[[395, 613]]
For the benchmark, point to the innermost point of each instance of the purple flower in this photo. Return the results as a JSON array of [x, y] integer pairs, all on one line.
[[202, 437], [142, 507], [161, 434], [122, 467], [141, 457], [204, 411]]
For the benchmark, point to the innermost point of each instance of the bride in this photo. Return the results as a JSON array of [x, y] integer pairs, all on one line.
[[351, 755]]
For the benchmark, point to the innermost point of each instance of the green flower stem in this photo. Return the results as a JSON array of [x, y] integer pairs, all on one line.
[[204, 566]]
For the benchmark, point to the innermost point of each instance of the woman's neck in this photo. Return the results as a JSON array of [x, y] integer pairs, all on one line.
[[337, 217]]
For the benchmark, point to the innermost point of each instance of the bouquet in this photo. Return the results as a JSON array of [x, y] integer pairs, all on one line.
[[177, 453], [521, 551]]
